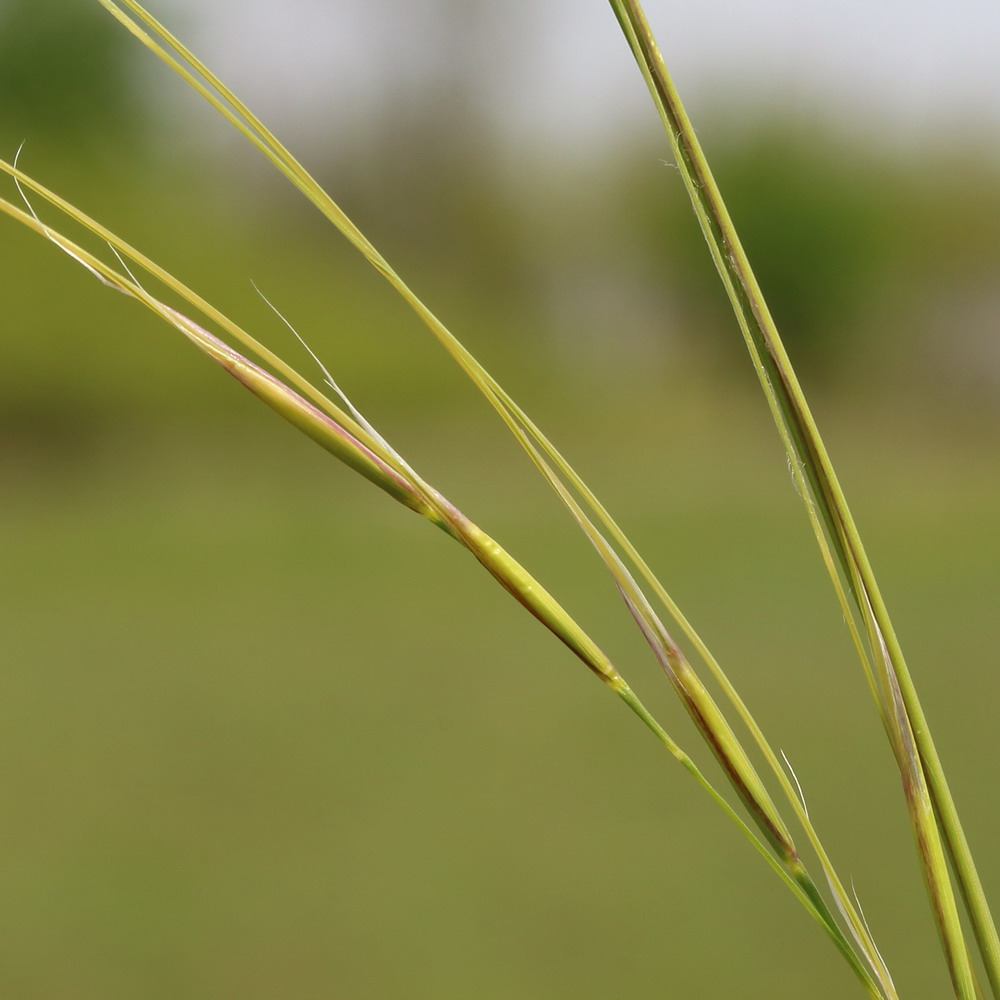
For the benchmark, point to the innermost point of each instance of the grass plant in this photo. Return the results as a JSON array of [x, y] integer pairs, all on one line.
[[778, 827]]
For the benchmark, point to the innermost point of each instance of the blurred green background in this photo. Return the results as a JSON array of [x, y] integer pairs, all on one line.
[[264, 735]]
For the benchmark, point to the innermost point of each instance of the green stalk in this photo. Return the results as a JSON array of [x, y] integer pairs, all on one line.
[[709, 719], [916, 754]]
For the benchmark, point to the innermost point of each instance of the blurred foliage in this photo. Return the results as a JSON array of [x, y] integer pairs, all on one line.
[[64, 75], [815, 223], [872, 254], [870, 263], [855, 241]]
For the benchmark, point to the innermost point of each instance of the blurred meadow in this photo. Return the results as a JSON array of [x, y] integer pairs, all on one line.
[[263, 734]]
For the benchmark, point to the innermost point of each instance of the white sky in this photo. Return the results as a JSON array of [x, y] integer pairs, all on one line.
[[560, 69]]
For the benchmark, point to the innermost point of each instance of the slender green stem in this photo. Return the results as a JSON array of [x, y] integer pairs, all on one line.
[[805, 445]]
